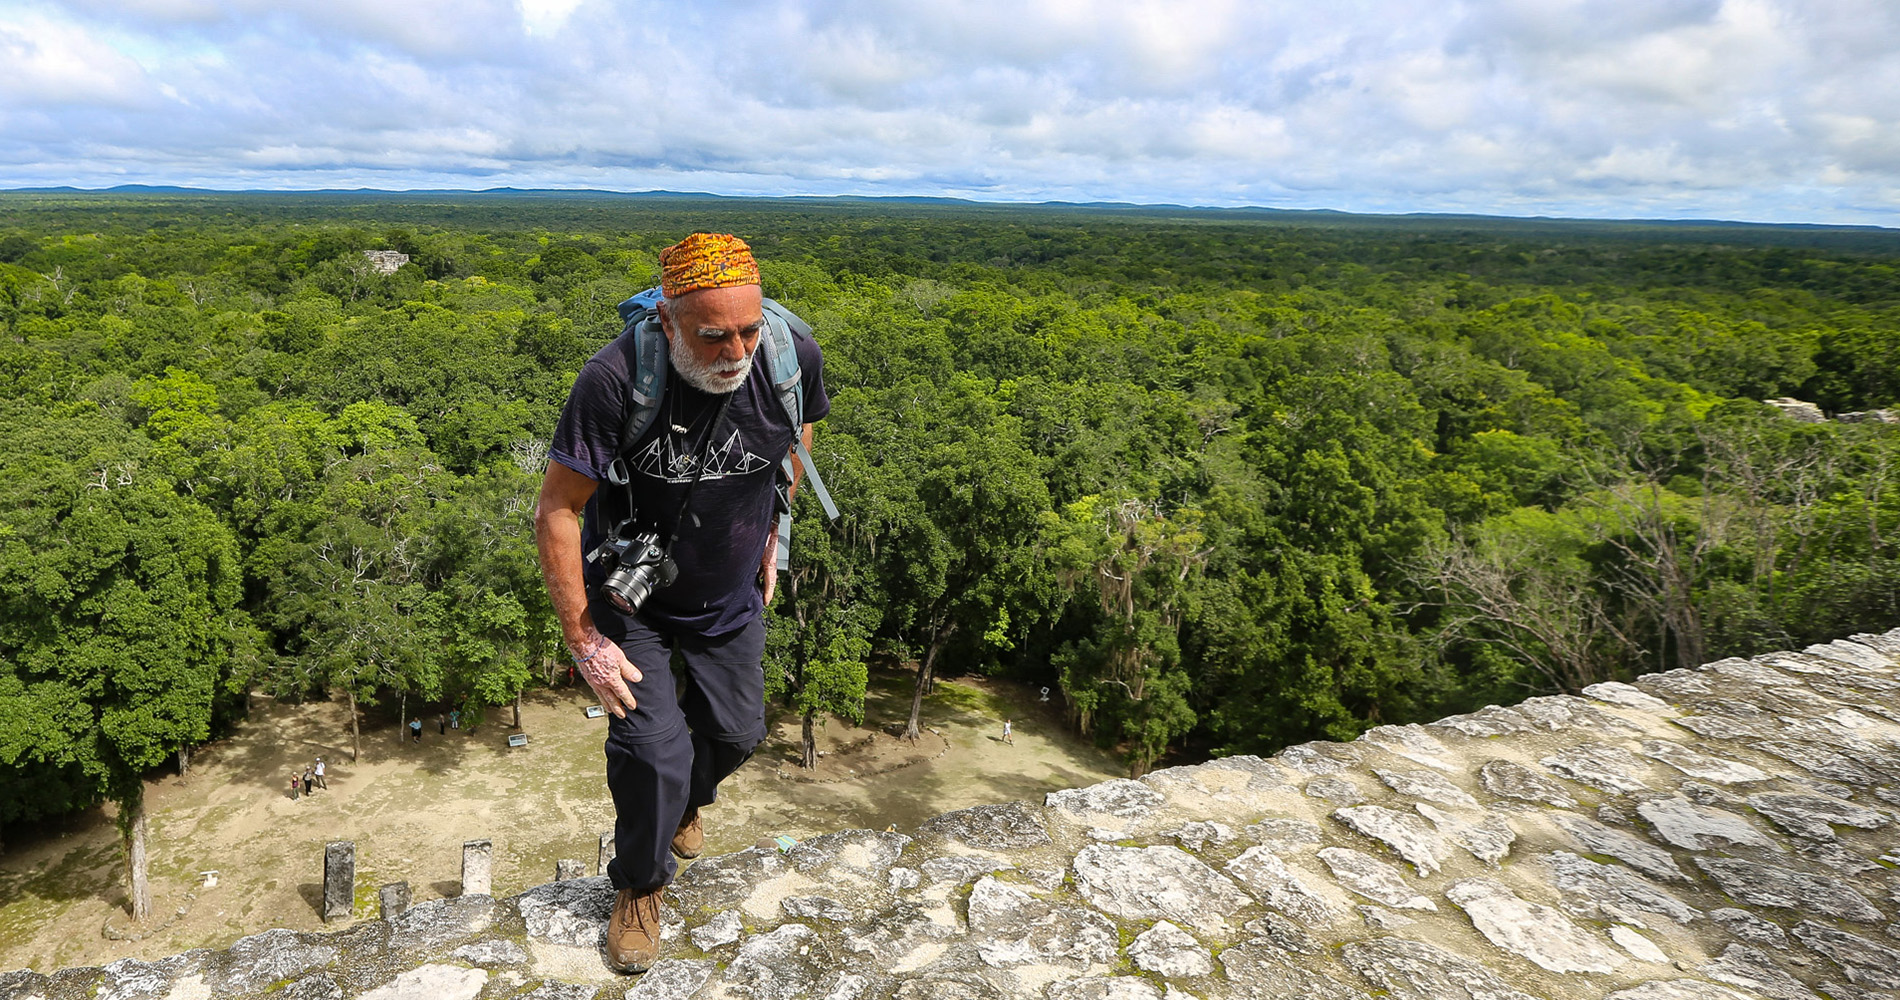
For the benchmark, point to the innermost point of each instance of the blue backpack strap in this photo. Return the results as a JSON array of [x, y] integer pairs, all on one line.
[[789, 381], [648, 384]]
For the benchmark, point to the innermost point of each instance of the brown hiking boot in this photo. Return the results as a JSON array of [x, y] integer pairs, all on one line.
[[633, 932], [690, 838]]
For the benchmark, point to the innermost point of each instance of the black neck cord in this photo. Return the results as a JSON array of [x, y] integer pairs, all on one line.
[[699, 470]]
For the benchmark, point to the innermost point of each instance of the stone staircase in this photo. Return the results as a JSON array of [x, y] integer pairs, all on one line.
[[1711, 834]]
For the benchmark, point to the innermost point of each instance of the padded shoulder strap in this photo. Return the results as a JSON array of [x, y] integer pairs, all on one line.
[[647, 385]]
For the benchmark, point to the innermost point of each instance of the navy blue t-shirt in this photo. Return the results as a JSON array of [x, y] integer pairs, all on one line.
[[717, 589]]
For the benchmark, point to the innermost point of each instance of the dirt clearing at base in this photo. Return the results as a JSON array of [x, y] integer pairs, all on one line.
[[410, 806]]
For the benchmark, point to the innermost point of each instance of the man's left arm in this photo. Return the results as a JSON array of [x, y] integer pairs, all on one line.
[[768, 566]]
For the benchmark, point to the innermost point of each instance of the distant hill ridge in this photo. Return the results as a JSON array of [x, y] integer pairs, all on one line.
[[1255, 211]]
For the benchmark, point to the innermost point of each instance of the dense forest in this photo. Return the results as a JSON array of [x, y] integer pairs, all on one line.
[[1226, 480]]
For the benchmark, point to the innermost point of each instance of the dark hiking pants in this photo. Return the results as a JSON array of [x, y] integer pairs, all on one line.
[[687, 732]]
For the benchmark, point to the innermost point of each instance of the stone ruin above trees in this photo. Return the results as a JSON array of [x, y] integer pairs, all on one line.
[[1711, 834]]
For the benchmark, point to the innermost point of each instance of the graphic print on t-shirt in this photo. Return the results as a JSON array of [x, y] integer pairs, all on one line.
[[669, 456]]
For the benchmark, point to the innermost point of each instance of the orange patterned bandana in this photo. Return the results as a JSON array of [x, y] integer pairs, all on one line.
[[706, 260]]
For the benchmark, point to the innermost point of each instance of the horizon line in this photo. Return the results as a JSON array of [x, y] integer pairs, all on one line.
[[936, 199]]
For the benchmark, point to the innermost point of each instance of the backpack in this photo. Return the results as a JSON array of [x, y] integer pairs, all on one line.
[[640, 314]]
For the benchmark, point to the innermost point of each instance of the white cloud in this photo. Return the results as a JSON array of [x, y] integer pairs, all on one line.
[[1783, 109]]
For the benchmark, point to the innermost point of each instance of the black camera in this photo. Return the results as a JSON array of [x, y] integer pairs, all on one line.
[[637, 566]]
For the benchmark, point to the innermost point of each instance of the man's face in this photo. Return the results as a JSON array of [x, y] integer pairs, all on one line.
[[712, 333]]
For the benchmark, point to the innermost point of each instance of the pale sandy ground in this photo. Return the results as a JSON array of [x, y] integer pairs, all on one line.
[[409, 808]]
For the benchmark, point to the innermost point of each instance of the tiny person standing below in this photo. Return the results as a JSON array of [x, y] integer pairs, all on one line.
[[415, 729], [322, 782], [296, 782], [1007, 723]]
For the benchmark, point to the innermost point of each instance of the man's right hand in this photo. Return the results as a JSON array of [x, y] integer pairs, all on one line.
[[609, 672]]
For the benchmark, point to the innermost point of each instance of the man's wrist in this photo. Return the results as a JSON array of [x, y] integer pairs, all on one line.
[[585, 645]]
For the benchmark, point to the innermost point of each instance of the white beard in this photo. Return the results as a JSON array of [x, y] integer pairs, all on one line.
[[717, 378]]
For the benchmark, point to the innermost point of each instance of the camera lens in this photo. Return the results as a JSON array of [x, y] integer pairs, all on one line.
[[627, 587]]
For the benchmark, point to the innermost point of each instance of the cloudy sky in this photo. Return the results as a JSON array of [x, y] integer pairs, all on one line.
[[1773, 110]]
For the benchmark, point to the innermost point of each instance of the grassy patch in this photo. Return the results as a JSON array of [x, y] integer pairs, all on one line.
[[961, 698]]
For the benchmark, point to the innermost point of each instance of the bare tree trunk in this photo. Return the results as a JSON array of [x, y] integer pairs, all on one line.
[[184, 759], [356, 730], [810, 758], [402, 716], [136, 862], [925, 673], [517, 710]]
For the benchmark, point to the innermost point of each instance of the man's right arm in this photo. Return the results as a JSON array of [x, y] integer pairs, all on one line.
[[557, 537]]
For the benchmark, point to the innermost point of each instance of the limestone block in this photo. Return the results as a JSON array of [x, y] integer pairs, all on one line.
[[1120, 797], [1155, 883], [441, 921], [1198, 834], [1754, 969], [1414, 970], [1866, 963], [1638, 946], [1599, 765], [1409, 836], [1768, 885], [569, 868], [1626, 696], [607, 853], [1749, 927], [1262, 969], [499, 951], [960, 869], [1374, 879], [722, 930], [394, 899], [1511, 780], [1488, 837], [1701, 766], [864, 855], [1814, 816], [1684, 824], [572, 913], [478, 867], [131, 979], [723, 882], [1489, 721], [1283, 835], [1012, 927], [1278, 886], [1853, 653], [1677, 989], [1610, 892], [816, 908], [339, 879], [261, 959], [1595, 838], [1413, 742], [1537, 932], [1169, 951], [438, 982], [1109, 988], [1011, 826], [1428, 785], [788, 963], [1334, 789], [1321, 757], [672, 979]]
